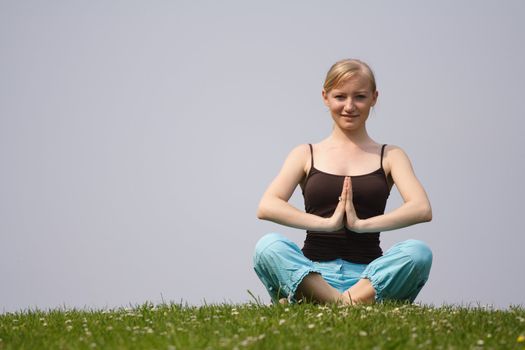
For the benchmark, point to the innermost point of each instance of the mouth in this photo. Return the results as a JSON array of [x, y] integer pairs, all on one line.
[[350, 116]]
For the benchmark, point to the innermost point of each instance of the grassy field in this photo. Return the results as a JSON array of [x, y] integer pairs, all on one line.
[[256, 326]]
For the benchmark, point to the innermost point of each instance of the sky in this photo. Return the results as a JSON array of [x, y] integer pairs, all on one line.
[[137, 138]]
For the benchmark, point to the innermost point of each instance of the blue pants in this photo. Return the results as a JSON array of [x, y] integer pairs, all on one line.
[[397, 275]]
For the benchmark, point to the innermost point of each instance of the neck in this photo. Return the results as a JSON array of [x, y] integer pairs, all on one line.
[[356, 137]]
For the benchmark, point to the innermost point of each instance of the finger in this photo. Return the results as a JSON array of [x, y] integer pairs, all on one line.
[[349, 202], [342, 197], [345, 186], [340, 209]]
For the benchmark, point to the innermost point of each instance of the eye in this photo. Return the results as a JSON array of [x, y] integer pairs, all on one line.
[[361, 97], [340, 97]]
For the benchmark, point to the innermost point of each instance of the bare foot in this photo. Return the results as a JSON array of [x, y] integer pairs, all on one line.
[[283, 301], [346, 299]]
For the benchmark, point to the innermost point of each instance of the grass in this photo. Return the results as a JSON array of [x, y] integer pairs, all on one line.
[[257, 326]]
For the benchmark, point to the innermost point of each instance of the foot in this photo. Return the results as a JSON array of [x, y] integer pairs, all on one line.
[[346, 299]]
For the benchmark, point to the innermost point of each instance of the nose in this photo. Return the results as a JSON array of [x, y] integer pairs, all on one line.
[[349, 105]]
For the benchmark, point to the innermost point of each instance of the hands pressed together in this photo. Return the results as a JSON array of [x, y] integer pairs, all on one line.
[[344, 214]]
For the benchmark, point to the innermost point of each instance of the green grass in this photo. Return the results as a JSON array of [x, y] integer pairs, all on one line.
[[255, 326]]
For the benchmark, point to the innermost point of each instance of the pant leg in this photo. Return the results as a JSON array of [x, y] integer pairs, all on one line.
[[281, 265], [401, 272]]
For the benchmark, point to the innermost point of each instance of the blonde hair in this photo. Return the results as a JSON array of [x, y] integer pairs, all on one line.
[[345, 69]]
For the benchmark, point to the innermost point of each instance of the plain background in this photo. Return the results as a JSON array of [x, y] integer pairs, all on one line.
[[137, 137]]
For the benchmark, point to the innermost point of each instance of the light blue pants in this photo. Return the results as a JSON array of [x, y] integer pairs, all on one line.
[[397, 275]]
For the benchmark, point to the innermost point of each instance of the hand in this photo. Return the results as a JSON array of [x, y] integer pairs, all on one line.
[[352, 221], [337, 220]]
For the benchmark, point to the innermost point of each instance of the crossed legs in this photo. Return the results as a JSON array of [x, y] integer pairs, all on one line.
[[399, 274], [314, 288]]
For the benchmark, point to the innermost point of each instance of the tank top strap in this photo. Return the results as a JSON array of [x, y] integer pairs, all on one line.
[[382, 153], [311, 155]]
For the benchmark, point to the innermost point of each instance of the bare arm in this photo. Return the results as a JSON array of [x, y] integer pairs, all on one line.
[[274, 204], [415, 208]]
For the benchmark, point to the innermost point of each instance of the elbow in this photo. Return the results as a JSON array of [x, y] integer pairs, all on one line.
[[426, 213], [262, 212]]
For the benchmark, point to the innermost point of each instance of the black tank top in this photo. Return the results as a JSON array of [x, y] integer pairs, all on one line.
[[321, 193]]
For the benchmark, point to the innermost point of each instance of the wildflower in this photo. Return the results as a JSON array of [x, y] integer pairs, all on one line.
[[327, 330], [521, 338], [281, 322], [246, 342], [363, 333], [311, 325], [481, 342], [320, 315]]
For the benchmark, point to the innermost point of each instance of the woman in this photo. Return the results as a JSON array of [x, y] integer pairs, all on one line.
[[346, 180]]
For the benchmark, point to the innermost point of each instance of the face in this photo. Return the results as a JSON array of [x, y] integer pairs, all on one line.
[[350, 102]]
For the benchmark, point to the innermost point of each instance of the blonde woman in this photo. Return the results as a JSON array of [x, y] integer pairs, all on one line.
[[345, 180]]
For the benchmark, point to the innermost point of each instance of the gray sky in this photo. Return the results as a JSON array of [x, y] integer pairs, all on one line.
[[137, 137]]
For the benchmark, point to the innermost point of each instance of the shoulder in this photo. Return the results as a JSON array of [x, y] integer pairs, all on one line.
[[394, 157], [393, 151], [301, 150], [300, 156]]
